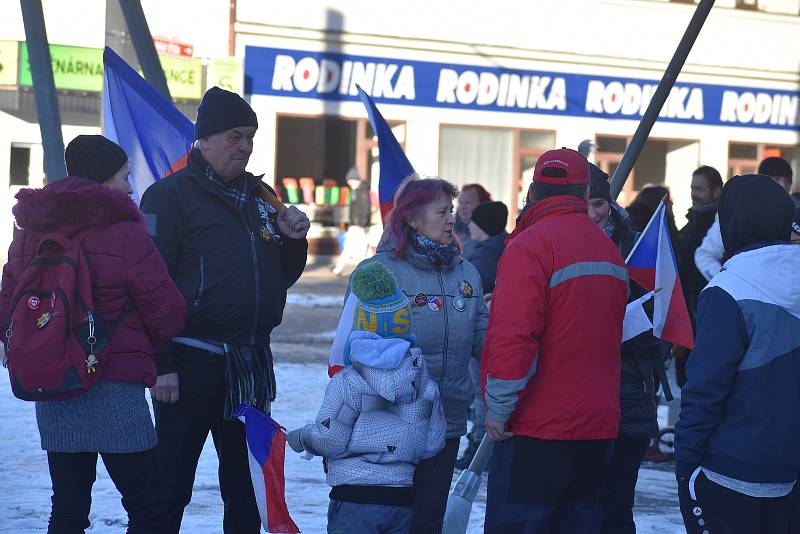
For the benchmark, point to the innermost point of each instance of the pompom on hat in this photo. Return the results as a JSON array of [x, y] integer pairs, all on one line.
[[381, 308]]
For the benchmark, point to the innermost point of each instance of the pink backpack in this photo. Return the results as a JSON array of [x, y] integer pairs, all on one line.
[[56, 343]]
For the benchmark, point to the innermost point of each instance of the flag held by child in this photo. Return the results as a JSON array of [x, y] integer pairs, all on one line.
[[652, 265], [266, 445]]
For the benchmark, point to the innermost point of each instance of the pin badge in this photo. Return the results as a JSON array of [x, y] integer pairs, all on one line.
[[420, 299], [465, 288], [435, 303], [265, 234], [43, 319], [34, 302], [460, 304]]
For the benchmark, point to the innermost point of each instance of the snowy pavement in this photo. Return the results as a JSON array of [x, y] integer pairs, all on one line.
[[26, 498]]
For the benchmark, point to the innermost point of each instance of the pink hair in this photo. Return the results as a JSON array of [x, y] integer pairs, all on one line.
[[483, 194], [412, 196]]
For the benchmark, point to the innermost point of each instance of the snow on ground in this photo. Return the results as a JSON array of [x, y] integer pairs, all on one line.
[[26, 498], [313, 300]]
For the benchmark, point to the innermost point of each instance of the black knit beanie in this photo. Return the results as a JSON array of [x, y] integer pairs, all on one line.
[[491, 217], [94, 157], [599, 186], [222, 110], [775, 167]]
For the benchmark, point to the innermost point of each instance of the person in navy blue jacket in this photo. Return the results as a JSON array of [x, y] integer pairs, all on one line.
[[737, 443]]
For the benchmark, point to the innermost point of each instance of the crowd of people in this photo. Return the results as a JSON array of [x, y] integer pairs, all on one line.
[[193, 282]]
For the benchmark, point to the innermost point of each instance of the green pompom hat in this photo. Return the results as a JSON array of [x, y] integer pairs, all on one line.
[[381, 307]]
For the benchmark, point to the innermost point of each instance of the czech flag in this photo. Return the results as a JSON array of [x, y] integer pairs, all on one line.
[[154, 134], [652, 265], [266, 444], [395, 166]]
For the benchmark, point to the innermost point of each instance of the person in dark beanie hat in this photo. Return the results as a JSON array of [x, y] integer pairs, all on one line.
[[737, 440], [91, 213], [222, 110], [233, 254], [640, 362], [599, 187], [490, 218], [487, 229], [779, 169], [100, 160]]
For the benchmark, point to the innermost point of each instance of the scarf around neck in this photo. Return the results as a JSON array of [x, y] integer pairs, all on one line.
[[438, 254]]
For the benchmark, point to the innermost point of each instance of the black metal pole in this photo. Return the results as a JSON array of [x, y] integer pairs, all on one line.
[[144, 46], [44, 89], [662, 92]]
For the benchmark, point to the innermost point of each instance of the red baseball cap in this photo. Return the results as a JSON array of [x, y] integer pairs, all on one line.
[[563, 166]]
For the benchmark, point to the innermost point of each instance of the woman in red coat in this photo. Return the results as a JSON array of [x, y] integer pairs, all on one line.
[[129, 282]]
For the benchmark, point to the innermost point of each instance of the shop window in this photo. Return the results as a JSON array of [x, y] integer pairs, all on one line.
[[660, 161], [478, 155], [609, 153], [500, 159], [743, 158], [19, 172]]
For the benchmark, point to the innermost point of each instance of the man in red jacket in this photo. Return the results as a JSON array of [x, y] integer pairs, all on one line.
[[551, 366]]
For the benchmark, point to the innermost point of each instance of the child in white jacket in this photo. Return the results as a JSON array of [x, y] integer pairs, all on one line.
[[380, 417]]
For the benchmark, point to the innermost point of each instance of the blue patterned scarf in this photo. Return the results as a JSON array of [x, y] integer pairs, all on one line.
[[439, 255]]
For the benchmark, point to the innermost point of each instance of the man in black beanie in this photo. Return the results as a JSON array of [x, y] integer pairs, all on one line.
[[233, 255]]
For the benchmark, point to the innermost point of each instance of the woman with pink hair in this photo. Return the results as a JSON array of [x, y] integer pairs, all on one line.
[[448, 320]]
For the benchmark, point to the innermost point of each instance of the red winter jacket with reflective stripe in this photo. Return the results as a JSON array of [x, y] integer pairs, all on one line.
[[551, 363]]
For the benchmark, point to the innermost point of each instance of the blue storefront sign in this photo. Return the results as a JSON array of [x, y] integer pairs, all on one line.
[[334, 76]]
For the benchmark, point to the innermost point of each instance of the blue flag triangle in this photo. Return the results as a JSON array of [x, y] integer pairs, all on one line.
[[151, 130], [395, 166]]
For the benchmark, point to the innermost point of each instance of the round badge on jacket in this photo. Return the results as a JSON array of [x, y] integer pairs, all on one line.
[[420, 299], [460, 304]]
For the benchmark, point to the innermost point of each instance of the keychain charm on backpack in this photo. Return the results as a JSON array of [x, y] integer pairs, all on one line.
[[91, 361]]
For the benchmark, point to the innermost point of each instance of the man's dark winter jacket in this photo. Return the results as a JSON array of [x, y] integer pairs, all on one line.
[[485, 255], [691, 235], [123, 262], [235, 279], [638, 419]]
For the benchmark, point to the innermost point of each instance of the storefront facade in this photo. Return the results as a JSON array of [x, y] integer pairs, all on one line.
[[484, 112]]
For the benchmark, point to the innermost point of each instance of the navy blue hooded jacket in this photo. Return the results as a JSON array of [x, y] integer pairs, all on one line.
[[739, 409]]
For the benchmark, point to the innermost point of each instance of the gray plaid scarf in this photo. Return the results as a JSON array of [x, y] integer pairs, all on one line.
[[236, 193]]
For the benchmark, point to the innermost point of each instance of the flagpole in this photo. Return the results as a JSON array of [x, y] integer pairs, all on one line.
[[659, 97], [144, 45], [44, 89]]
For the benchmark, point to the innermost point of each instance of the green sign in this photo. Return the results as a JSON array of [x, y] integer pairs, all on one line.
[[226, 72], [8, 62], [184, 77], [81, 69], [74, 68]]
